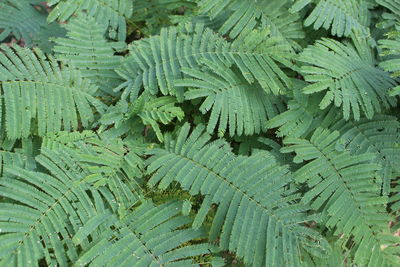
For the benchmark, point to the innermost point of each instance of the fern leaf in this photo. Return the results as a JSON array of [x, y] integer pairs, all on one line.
[[344, 186], [148, 236], [341, 16], [379, 135], [155, 110], [302, 116], [257, 217], [42, 212], [244, 16], [232, 101], [27, 76], [20, 19], [114, 13], [86, 49], [349, 77], [158, 60], [109, 163], [391, 49]]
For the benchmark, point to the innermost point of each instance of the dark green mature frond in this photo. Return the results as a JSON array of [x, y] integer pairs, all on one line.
[[148, 236], [156, 62], [113, 13], [341, 16], [86, 49], [232, 101], [242, 16], [107, 162], [36, 92], [380, 135], [257, 216], [391, 49], [348, 75], [345, 186], [42, 212], [302, 116], [20, 19]]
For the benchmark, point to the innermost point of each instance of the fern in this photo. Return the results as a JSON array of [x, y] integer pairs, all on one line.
[[340, 183], [87, 50], [341, 16], [262, 226], [390, 49], [380, 136], [232, 101], [149, 236], [157, 62], [302, 116], [349, 76], [199, 133], [244, 16], [20, 19], [113, 13], [27, 76]]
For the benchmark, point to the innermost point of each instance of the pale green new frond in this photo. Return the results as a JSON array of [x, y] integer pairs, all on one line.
[[40, 97], [341, 16], [20, 19], [112, 12], [86, 49], [242, 16], [148, 236], [257, 217], [380, 135], [348, 76], [345, 186], [43, 212], [156, 62], [235, 105]]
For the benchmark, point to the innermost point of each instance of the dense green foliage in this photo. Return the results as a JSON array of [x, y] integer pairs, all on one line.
[[199, 133]]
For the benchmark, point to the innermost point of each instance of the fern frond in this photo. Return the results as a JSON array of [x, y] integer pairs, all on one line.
[[232, 101], [380, 135], [43, 212], [344, 185], [86, 49], [391, 49], [257, 216], [341, 16], [111, 163], [302, 116], [154, 110], [244, 16], [113, 13], [392, 5], [349, 77], [157, 61], [20, 19], [34, 87], [148, 236]]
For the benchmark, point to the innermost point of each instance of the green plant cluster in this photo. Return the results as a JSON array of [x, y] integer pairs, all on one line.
[[199, 133]]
